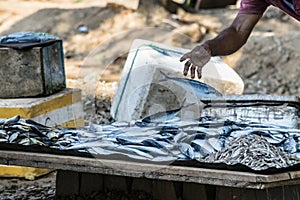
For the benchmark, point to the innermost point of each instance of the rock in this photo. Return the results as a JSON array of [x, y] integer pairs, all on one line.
[[38, 71]]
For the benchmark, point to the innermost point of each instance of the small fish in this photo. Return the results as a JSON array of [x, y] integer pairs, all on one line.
[[178, 138], [25, 141], [201, 90], [147, 149], [290, 145], [3, 134], [152, 143], [12, 120], [52, 134], [202, 146], [13, 137], [38, 125], [100, 151], [141, 123], [126, 141], [134, 151], [169, 129], [164, 158], [163, 116], [35, 141], [215, 143], [186, 150], [94, 144]]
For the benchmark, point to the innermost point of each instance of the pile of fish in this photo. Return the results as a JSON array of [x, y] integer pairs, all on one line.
[[208, 140], [253, 151], [28, 132], [258, 146]]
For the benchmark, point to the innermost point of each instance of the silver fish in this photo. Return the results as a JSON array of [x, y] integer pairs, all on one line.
[[25, 141], [216, 143], [166, 116], [186, 150], [147, 149], [3, 140], [12, 120], [135, 151], [13, 137], [203, 147], [290, 145], [201, 90]]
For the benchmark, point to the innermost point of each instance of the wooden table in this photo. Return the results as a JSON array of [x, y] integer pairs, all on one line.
[[80, 175]]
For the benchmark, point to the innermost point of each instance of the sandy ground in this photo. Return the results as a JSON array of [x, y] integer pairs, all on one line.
[[268, 63]]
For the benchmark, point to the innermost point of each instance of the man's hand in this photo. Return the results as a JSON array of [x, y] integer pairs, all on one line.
[[227, 42], [196, 58]]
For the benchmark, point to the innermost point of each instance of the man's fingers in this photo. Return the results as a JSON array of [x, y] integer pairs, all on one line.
[[199, 72], [186, 68], [193, 71]]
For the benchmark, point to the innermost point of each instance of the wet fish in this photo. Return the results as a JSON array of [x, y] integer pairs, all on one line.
[[35, 141], [132, 149], [53, 134], [290, 145], [203, 147], [25, 141], [178, 138], [186, 150], [169, 129], [94, 144], [164, 158], [3, 134], [12, 120], [216, 143], [150, 150], [165, 116], [41, 127], [127, 141], [3, 140], [152, 143], [201, 90], [13, 137]]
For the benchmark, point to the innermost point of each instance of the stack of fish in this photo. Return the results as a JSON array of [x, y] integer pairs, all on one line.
[[28, 132], [209, 140]]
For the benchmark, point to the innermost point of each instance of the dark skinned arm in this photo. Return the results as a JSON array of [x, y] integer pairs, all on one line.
[[227, 42]]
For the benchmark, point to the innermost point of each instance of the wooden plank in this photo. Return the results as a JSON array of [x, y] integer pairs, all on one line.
[[146, 170], [295, 174]]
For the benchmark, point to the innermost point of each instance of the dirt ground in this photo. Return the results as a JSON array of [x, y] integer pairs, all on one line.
[[268, 63]]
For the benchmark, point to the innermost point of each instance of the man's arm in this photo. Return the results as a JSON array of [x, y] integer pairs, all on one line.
[[227, 42]]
